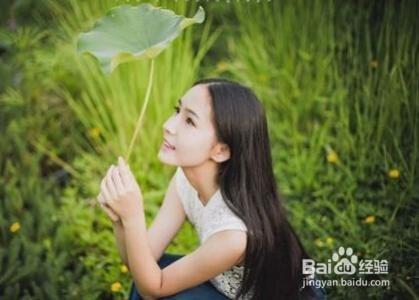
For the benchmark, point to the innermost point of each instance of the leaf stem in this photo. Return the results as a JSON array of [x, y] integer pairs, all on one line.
[[139, 121]]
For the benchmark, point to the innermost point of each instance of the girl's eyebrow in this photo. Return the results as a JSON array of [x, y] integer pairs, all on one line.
[[188, 109]]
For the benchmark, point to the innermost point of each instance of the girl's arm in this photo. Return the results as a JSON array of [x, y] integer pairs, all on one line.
[[217, 254], [118, 231]]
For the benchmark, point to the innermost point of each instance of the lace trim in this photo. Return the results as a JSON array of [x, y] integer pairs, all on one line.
[[229, 282]]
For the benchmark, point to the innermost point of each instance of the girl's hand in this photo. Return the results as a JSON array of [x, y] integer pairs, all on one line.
[[111, 214], [121, 192], [105, 207]]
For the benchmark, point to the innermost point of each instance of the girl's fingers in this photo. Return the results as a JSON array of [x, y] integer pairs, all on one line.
[[128, 170], [124, 174], [101, 199], [104, 190], [110, 212], [117, 181], [110, 184]]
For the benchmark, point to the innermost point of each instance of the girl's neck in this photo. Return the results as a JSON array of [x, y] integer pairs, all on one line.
[[203, 180]]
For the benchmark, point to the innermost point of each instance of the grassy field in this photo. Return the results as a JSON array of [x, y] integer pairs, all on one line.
[[339, 81]]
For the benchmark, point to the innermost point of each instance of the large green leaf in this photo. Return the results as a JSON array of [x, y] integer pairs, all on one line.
[[133, 32]]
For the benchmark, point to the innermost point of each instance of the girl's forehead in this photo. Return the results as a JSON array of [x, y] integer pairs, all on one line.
[[198, 100]]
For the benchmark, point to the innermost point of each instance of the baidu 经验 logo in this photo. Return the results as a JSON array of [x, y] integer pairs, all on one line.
[[345, 262]]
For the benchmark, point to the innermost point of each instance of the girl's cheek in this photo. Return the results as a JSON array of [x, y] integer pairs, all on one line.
[[189, 144]]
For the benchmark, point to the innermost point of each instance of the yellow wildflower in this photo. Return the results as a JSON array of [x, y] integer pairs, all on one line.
[[221, 65], [318, 242], [263, 77], [374, 63], [369, 219], [394, 173], [15, 227], [94, 132], [124, 269], [332, 157], [116, 286], [329, 241]]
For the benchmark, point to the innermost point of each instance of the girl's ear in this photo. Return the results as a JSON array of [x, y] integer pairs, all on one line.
[[221, 153]]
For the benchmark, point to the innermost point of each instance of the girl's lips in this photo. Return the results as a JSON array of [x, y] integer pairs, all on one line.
[[168, 146]]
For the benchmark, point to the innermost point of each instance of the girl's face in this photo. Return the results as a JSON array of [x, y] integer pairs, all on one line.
[[189, 130]]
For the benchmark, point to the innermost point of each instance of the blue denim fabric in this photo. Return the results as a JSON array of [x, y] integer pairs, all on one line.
[[313, 293], [317, 294], [204, 291], [320, 293]]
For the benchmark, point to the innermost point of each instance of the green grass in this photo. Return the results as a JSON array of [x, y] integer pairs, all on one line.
[[339, 83]]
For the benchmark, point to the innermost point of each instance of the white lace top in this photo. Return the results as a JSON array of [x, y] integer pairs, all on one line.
[[215, 216]]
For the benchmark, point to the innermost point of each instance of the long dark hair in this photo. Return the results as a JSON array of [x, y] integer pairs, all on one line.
[[274, 253]]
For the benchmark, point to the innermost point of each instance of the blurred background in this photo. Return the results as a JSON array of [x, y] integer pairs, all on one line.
[[339, 81]]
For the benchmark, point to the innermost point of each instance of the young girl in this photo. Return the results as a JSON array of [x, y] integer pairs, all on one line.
[[225, 186]]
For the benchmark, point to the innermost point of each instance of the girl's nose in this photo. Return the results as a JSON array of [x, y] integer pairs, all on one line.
[[170, 125]]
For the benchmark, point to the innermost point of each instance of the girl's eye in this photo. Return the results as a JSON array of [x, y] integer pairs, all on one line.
[[188, 120]]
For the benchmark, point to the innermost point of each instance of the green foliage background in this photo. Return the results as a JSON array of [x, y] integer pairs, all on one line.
[[339, 83]]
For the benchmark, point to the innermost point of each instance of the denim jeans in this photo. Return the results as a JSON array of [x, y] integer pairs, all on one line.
[[203, 291], [313, 293], [206, 291]]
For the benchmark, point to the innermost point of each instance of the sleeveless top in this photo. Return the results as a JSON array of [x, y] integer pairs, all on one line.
[[215, 216]]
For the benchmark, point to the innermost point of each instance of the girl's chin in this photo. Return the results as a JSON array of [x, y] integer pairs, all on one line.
[[165, 157]]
